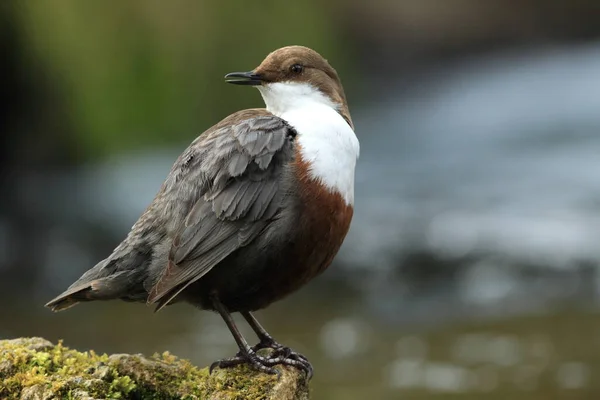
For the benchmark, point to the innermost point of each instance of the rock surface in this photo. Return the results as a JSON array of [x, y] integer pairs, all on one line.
[[36, 369]]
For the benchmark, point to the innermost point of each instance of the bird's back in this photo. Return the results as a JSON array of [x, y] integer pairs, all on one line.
[[223, 190]]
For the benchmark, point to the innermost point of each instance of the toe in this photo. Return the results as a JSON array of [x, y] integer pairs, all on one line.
[[280, 356]]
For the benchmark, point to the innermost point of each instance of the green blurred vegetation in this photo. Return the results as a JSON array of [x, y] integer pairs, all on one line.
[[141, 73]]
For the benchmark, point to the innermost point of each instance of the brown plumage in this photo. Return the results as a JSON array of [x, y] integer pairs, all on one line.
[[241, 220]]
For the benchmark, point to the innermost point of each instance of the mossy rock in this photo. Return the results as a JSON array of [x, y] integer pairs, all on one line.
[[35, 369]]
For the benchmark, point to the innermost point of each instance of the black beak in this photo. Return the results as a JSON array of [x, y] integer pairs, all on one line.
[[244, 78]]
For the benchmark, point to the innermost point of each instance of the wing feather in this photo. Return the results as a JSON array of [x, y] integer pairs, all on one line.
[[239, 168]]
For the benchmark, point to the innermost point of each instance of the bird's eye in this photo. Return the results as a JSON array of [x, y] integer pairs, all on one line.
[[297, 68]]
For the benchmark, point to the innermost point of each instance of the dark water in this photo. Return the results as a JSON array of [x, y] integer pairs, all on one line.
[[471, 268]]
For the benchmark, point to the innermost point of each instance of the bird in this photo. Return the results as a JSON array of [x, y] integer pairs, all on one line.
[[256, 207]]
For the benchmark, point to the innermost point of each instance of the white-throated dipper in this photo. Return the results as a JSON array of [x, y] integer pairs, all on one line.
[[253, 209]]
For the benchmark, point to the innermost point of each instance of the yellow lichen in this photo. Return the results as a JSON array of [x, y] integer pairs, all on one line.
[[35, 368]]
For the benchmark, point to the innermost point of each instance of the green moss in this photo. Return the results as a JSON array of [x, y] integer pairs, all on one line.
[[34, 368]]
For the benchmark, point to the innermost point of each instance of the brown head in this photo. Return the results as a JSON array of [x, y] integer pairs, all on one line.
[[291, 73]]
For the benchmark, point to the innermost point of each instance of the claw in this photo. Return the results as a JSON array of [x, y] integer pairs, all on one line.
[[296, 361], [255, 361], [280, 355], [286, 356]]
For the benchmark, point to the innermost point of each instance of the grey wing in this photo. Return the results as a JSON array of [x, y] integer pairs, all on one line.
[[241, 173]]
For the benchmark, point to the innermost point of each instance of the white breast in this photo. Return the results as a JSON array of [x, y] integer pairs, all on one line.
[[328, 144]]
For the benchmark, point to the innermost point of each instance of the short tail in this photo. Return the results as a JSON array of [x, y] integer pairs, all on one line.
[[106, 288], [70, 297]]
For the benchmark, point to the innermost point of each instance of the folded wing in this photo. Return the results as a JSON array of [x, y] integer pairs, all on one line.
[[235, 174]]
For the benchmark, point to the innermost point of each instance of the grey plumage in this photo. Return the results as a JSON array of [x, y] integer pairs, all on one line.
[[246, 216], [223, 191]]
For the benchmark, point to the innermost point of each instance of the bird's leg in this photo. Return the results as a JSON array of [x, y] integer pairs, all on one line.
[[266, 341], [281, 354], [246, 353]]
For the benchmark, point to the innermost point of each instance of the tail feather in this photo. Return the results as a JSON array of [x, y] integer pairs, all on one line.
[[106, 288], [70, 297]]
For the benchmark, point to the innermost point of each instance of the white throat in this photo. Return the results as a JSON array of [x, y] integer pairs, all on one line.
[[327, 143]]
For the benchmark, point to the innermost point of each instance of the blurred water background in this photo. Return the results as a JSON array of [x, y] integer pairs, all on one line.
[[471, 268]]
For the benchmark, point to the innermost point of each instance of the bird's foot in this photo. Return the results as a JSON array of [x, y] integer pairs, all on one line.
[[286, 356], [267, 344], [280, 355], [278, 349], [255, 361]]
